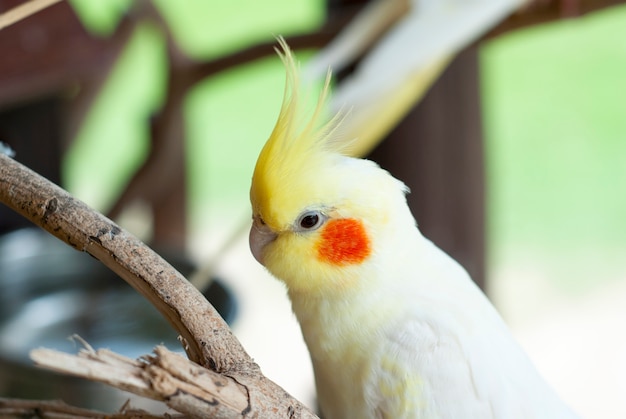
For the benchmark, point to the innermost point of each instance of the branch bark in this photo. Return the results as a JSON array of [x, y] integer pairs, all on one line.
[[205, 336], [19, 409]]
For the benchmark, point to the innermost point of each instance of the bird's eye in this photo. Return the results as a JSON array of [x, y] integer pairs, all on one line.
[[310, 220]]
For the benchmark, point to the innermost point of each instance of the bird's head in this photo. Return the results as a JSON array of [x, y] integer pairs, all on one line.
[[319, 217]]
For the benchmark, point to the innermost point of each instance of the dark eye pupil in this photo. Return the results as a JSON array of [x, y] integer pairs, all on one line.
[[309, 221]]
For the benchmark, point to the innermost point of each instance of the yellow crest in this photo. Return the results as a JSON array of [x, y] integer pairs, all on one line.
[[298, 146]]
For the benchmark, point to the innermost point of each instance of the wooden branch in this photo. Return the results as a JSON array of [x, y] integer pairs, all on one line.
[[19, 409], [206, 338], [23, 11], [537, 12]]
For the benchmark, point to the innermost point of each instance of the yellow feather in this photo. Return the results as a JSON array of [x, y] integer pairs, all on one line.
[[299, 143]]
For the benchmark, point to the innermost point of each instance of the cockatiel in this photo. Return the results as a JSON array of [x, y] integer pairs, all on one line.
[[394, 326]]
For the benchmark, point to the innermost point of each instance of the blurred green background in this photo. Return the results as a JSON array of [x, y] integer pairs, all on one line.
[[555, 119], [554, 115]]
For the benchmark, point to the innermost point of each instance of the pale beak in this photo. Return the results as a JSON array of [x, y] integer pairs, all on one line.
[[260, 236]]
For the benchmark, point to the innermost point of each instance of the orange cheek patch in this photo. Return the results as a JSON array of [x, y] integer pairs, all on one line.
[[344, 242]]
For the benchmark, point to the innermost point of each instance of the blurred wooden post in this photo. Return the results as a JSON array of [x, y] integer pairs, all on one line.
[[34, 130], [437, 150], [49, 74], [168, 140]]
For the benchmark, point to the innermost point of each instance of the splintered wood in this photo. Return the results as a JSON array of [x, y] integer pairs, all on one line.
[[164, 376]]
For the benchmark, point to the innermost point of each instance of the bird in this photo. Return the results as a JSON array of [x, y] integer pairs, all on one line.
[[394, 326]]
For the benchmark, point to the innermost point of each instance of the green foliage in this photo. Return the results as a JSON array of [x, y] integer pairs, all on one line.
[[114, 138], [100, 16], [212, 28], [555, 120]]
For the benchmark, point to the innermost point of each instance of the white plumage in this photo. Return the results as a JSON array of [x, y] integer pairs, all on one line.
[[418, 340], [395, 327]]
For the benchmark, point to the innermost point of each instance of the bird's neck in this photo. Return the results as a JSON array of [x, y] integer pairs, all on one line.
[[358, 313]]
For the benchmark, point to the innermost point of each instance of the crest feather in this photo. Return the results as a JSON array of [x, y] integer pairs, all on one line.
[[301, 142], [292, 128]]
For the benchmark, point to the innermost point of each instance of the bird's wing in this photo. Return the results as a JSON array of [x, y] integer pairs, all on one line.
[[441, 366], [419, 365]]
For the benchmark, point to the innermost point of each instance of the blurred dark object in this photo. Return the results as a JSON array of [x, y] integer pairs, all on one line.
[[50, 52], [48, 292], [51, 72], [30, 123]]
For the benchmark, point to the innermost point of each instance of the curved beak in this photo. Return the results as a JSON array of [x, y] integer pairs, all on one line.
[[260, 236]]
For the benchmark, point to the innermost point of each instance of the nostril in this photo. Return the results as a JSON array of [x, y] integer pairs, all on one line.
[[257, 220], [260, 236]]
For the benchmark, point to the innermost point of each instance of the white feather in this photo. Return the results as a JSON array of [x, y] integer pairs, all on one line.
[[433, 29], [418, 339], [410, 49]]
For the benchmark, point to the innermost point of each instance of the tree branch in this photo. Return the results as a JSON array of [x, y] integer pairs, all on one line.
[[19, 409], [205, 336], [23, 11]]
